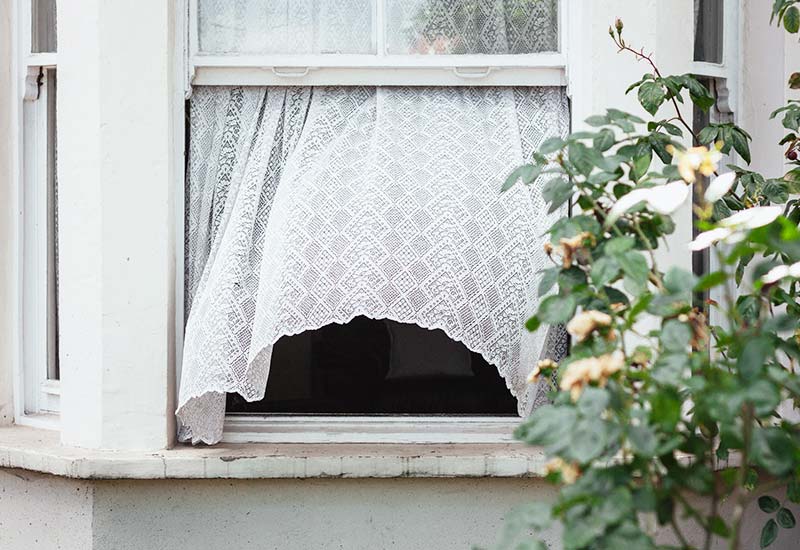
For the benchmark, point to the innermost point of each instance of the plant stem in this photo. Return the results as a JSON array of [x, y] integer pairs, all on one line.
[[740, 496]]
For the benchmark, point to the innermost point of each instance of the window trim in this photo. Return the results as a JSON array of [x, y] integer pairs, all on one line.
[[36, 396], [538, 69], [725, 77], [546, 69]]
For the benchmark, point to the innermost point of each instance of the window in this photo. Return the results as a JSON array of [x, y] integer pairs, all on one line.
[[343, 220], [715, 52], [39, 190]]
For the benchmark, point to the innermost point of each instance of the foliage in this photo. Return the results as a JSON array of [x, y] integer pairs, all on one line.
[[654, 406]]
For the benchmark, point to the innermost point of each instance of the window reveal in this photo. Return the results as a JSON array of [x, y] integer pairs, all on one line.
[[310, 206]]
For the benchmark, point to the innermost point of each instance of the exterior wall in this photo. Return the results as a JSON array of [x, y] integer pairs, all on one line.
[[48, 513], [116, 223], [117, 158], [43, 512], [8, 213], [318, 514]]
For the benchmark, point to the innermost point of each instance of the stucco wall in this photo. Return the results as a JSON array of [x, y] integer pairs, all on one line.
[[7, 215], [47, 513], [43, 512]]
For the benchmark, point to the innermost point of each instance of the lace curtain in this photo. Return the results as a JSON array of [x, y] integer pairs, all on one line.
[[311, 206], [347, 27]]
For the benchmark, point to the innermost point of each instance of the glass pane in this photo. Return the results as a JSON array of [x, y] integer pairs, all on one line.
[[43, 26], [708, 30], [285, 26], [52, 229], [471, 27]]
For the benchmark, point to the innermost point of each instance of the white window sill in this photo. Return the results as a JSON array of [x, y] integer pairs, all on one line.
[[40, 450]]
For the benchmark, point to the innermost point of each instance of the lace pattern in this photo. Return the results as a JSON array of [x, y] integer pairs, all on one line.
[[310, 206]]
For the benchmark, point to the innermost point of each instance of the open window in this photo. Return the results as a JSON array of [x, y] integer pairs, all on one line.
[[350, 262]]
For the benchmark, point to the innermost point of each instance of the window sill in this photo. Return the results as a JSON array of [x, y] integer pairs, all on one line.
[[40, 450]]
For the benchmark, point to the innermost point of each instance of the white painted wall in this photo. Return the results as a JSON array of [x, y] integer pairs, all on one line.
[[42, 512], [117, 225], [8, 200]]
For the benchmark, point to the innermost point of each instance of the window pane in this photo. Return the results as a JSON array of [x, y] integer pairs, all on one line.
[[708, 30], [43, 26], [474, 27], [285, 26], [52, 230]]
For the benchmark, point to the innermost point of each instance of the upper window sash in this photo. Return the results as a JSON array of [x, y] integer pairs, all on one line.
[[379, 67]]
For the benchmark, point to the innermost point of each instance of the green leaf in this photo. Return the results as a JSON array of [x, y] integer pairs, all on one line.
[[755, 353], [718, 527], [785, 518], [715, 278], [526, 172], [675, 336], [791, 20], [547, 425], [670, 367], [769, 533], [557, 191], [551, 145], [708, 135], [597, 120], [768, 504], [533, 324], [604, 270], [588, 440], [651, 96], [557, 309], [764, 396], [643, 440], [616, 506], [604, 140], [593, 402], [773, 449], [739, 143], [666, 409], [619, 245], [793, 491], [549, 278], [679, 281], [634, 264]]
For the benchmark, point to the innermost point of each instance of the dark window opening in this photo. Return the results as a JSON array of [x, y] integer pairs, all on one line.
[[372, 366], [708, 30]]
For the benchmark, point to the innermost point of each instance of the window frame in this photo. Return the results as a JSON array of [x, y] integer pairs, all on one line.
[[725, 80], [36, 393], [379, 69], [542, 69]]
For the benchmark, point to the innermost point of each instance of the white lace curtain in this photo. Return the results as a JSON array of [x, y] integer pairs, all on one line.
[[311, 206], [347, 26]]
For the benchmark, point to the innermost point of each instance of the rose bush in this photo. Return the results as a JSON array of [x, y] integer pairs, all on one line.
[[655, 408]]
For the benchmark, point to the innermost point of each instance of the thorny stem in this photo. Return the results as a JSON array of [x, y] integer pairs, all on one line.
[[649, 58]]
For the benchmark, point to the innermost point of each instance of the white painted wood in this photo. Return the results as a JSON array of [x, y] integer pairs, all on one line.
[[329, 76], [37, 316], [40, 450], [251, 428]]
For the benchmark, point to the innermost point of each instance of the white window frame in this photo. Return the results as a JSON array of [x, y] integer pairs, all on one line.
[[726, 78], [539, 69], [380, 69], [36, 395]]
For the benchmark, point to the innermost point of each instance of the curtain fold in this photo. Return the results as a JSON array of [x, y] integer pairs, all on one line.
[[311, 206]]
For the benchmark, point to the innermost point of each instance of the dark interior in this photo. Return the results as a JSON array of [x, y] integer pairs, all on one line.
[[372, 366]]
